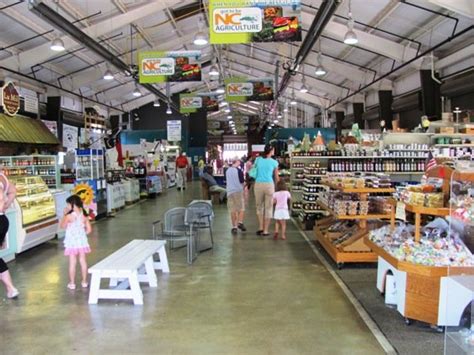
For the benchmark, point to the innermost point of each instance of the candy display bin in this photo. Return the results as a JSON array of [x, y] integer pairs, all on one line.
[[457, 288]]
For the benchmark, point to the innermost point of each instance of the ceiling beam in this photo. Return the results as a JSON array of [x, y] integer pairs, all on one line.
[[40, 53], [463, 7]]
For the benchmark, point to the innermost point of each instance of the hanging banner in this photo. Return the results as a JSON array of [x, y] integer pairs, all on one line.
[[247, 21], [190, 103], [10, 99], [52, 126], [162, 67], [240, 89], [174, 130]]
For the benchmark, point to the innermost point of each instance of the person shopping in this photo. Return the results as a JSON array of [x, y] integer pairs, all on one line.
[[212, 183], [182, 169], [266, 176], [77, 226], [7, 195], [281, 199], [235, 195]]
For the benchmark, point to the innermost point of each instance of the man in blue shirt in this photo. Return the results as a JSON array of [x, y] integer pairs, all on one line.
[[235, 195]]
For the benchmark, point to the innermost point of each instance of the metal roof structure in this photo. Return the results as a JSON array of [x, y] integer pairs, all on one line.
[[391, 34]]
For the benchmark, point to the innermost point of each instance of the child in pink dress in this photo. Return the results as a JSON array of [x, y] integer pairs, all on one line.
[[77, 226], [281, 200]]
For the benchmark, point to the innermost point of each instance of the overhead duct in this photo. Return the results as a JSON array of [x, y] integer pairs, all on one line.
[[324, 14], [61, 23]]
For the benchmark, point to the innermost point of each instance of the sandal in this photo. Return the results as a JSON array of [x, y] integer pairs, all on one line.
[[84, 284], [265, 234], [71, 286], [275, 236], [259, 232]]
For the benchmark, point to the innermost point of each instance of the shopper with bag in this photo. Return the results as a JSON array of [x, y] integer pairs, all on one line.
[[265, 173], [7, 195]]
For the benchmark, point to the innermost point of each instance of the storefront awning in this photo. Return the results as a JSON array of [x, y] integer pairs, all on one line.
[[20, 129]]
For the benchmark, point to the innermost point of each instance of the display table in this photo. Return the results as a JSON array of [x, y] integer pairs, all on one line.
[[418, 286], [115, 197]]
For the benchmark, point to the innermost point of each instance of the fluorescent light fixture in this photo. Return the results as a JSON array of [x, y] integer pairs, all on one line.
[[136, 92], [57, 45], [156, 103], [108, 75]]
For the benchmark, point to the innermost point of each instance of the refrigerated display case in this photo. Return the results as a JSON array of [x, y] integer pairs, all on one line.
[[90, 183], [36, 218], [45, 166]]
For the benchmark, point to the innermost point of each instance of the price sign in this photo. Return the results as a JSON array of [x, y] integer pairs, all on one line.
[[400, 212]]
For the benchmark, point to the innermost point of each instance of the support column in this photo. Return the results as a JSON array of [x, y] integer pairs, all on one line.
[[358, 108], [385, 107], [430, 95], [339, 118]]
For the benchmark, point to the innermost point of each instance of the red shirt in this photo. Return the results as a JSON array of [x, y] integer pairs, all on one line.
[[182, 162]]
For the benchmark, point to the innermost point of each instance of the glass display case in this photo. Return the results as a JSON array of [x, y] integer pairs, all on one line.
[[35, 199], [89, 164], [457, 288], [44, 166]]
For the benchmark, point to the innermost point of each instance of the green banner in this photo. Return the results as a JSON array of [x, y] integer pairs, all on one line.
[[190, 103], [174, 66], [241, 89], [247, 21]]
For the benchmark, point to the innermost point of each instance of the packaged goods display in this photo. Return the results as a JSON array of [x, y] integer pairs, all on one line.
[[439, 245], [43, 166]]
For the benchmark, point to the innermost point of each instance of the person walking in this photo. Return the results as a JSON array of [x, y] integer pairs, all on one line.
[[266, 177], [182, 168], [212, 183], [77, 226], [281, 199], [235, 195], [7, 195]]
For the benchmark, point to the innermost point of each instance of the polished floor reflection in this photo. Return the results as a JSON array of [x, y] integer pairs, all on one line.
[[247, 296]]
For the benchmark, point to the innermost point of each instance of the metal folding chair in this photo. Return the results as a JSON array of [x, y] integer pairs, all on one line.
[[174, 228], [199, 215]]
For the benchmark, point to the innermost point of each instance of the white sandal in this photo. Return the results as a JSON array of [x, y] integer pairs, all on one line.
[[71, 286]]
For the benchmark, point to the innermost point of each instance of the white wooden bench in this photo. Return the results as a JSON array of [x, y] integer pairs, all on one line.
[[124, 266]]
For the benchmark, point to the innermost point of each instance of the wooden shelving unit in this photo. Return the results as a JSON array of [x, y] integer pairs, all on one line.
[[350, 248]]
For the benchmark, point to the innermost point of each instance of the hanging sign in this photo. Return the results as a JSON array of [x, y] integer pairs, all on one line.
[[162, 67], [174, 130], [190, 103], [247, 21], [52, 126], [10, 99], [70, 136], [240, 89], [31, 103]]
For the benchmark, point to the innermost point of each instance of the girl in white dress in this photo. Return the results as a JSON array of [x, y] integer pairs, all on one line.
[[77, 226]]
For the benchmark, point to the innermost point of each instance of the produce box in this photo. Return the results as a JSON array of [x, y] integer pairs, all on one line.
[[448, 130]]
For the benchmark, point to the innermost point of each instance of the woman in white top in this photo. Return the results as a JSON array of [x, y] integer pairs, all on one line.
[[7, 195]]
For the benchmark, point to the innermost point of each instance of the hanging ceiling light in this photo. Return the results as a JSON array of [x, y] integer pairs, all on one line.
[[136, 92], [220, 90], [214, 70], [108, 75], [279, 116], [227, 110], [350, 36], [156, 103], [293, 101], [275, 121], [57, 45], [200, 38], [168, 110], [285, 108], [320, 71], [229, 117], [304, 88]]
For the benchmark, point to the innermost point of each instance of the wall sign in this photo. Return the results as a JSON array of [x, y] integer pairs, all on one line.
[[240, 89], [162, 67], [10, 99], [246, 21], [174, 130], [70, 136]]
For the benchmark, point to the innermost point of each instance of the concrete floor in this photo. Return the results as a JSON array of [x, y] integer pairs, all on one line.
[[247, 296]]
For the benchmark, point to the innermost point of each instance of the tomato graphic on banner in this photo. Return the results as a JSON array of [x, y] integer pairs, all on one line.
[[239, 89], [173, 66]]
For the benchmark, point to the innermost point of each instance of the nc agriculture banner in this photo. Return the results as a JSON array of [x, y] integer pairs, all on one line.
[[246, 21], [240, 89], [161, 67], [190, 103]]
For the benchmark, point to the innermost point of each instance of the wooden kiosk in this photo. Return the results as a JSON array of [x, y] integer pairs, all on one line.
[[351, 249], [418, 286]]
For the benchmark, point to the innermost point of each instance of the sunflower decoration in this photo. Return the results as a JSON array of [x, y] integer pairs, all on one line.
[[86, 193]]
